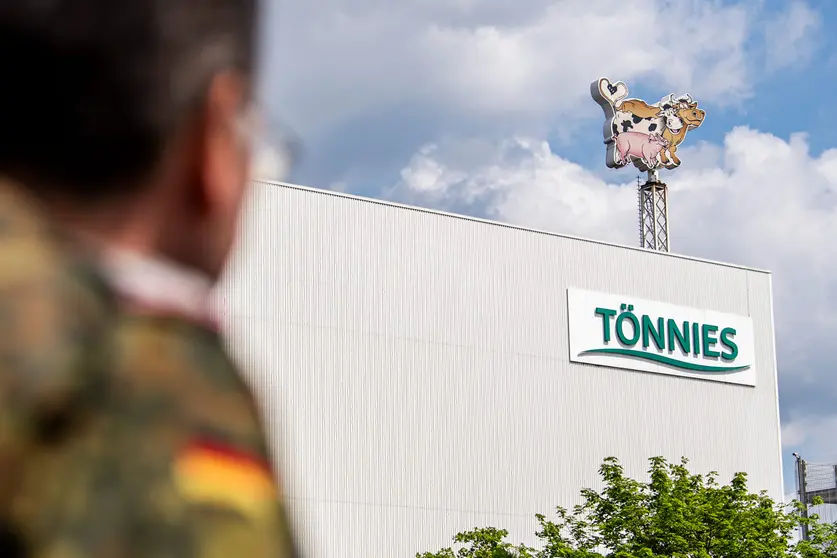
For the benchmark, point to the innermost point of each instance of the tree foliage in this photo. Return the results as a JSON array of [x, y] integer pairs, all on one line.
[[675, 514], [822, 537]]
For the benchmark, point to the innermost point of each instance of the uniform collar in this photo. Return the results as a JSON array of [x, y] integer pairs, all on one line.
[[149, 283], [157, 285]]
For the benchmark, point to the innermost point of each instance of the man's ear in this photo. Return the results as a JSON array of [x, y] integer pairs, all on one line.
[[224, 156]]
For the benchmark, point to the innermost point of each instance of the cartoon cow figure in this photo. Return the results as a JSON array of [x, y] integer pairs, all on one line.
[[626, 121], [645, 147], [671, 118]]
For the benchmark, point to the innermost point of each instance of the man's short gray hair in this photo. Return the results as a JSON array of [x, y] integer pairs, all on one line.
[[93, 89]]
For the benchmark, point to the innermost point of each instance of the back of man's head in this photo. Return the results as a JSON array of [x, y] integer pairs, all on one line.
[[92, 89], [95, 93]]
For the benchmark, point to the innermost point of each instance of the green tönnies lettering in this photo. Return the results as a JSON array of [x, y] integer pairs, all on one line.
[[659, 339]]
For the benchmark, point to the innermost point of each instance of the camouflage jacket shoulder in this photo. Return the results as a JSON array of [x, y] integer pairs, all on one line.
[[53, 304], [54, 310], [198, 439], [173, 463]]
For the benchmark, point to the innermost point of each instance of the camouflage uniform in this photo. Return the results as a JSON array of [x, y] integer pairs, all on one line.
[[192, 424], [55, 311], [124, 433]]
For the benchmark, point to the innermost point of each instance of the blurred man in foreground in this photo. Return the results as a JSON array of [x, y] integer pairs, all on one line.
[[130, 128]]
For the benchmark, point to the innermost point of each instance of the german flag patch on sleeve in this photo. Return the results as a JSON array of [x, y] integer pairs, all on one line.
[[216, 474]]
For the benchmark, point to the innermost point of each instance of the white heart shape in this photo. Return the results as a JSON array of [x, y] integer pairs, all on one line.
[[613, 92]]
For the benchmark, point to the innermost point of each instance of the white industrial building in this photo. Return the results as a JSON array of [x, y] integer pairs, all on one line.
[[427, 373]]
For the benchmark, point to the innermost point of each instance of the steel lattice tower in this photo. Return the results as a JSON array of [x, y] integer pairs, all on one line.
[[653, 213]]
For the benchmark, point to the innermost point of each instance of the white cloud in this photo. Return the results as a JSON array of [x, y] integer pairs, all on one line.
[[492, 59], [522, 183], [813, 437], [791, 36], [339, 186], [757, 200], [794, 434]]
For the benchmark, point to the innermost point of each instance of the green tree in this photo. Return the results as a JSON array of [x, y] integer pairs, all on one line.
[[487, 542], [675, 514], [822, 537]]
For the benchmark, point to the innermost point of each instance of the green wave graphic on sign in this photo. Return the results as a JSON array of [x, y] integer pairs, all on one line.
[[653, 357]]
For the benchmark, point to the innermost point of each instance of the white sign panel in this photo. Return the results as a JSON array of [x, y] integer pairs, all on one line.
[[634, 334]]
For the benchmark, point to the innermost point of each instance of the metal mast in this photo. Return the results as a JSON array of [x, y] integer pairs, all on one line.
[[802, 491], [653, 213]]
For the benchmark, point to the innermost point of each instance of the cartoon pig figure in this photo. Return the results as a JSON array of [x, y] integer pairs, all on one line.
[[642, 146]]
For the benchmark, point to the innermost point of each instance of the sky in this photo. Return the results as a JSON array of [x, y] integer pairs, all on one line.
[[482, 107]]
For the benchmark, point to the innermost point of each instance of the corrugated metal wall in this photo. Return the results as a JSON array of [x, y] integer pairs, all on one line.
[[414, 367]]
